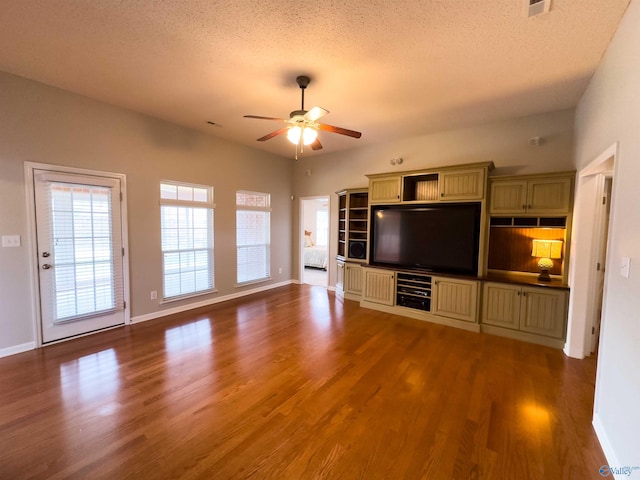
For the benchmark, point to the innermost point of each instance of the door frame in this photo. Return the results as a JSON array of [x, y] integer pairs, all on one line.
[[301, 239], [601, 244], [582, 278], [32, 243]]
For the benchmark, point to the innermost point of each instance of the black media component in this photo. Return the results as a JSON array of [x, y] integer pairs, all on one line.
[[413, 302], [433, 237], [357, 249]]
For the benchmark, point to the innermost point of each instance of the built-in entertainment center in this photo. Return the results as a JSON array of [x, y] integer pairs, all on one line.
[[453, 245]]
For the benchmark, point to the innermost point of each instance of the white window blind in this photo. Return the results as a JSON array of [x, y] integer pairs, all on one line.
[[253, 236], [322, 227], [186, 213], [86, 280]]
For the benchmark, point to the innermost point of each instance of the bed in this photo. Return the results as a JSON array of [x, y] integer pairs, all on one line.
[[315, 257]]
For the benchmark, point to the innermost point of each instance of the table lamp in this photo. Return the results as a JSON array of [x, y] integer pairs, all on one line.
[[545, 250]]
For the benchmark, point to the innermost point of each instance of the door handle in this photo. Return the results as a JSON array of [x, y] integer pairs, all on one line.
[[46, 266]]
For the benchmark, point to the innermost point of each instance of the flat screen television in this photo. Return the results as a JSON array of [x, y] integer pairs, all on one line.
[[435, 237]]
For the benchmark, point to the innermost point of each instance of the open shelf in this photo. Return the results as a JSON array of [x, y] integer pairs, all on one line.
[[353, 223], [414, 291], [420, 188]]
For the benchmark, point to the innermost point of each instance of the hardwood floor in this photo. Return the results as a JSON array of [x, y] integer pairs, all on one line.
[[296, 384]]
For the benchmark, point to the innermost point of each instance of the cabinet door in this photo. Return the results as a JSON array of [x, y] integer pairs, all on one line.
[[543, 311], [508, 196], [464, 185], [379, 286], [352, 279], [455, 299], [384, 190], [501, 305], [551, 195]]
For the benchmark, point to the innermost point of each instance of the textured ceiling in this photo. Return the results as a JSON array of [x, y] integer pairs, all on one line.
[[388, 68]]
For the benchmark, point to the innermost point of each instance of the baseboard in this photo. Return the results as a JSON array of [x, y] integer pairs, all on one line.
[[420, 315], [523, 336], [607, 448], [25, 347], [206, 303]]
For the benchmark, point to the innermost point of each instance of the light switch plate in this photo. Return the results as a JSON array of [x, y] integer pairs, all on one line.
[[11, 241], [625, 265]]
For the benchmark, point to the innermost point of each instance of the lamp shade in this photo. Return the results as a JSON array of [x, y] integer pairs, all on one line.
[[293, 134], [309, 135], [547, 248]]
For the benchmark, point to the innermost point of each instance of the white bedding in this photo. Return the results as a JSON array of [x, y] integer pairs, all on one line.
[[315, 256]]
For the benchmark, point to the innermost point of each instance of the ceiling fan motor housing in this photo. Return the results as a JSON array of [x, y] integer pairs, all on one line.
[[303, 81]]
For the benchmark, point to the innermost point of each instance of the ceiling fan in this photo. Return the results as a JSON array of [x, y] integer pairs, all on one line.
[[302, 126]]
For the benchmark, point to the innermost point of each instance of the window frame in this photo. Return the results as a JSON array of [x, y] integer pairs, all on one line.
[[266, 209], [209, 205]]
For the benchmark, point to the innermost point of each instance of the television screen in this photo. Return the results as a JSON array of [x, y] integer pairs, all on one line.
[[440, 238]]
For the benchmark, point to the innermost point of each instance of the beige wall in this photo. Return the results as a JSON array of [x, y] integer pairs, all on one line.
[[46, 125], [505, 143], [609, 112]]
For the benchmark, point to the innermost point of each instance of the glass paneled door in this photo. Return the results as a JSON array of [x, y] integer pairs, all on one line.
[[80, 255]]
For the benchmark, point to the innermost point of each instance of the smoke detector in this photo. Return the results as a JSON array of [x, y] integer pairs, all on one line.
[[534, 8]]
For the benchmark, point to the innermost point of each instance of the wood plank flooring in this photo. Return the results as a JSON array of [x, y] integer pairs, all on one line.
[[296, 384]]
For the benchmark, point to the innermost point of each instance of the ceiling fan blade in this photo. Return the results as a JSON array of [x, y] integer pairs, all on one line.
[[315, 113], [265, 118], [273, 134], [340, 130], [316, 145]]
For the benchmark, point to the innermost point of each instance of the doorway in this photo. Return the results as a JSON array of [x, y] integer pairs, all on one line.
[[315, 240], [595, 195], [601, 259], [78, 244]]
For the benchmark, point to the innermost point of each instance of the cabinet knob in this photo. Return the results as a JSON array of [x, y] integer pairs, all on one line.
[[518, 293], [524, 294], [442, 194], [524, 207], [528, 206]]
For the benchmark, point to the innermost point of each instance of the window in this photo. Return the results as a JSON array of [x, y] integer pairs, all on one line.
[[322, 227], [86, 279], [186, 213], [253, 219]]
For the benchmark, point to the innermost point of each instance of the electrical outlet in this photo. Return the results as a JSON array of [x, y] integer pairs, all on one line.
[[280, 270], [625, 265], [154, 295], [11, 241]]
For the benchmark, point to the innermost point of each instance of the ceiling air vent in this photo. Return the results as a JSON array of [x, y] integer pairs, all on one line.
[[537, 7]]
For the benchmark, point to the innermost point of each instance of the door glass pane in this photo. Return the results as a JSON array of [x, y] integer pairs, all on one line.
[[82, 250]]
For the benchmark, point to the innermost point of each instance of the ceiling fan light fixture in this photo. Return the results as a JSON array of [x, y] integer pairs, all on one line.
[[302, 126], [309, 135], [293, 134]]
